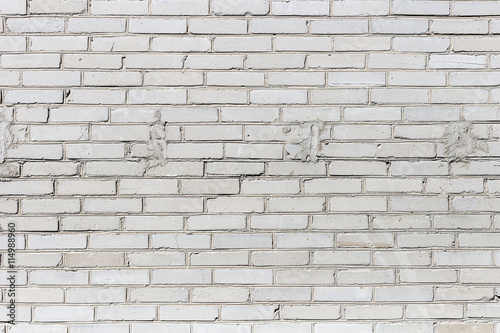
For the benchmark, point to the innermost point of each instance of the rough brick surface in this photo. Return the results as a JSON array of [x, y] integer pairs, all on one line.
[[251, 166]]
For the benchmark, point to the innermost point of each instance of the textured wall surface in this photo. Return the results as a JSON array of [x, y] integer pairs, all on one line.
[[251, 166]]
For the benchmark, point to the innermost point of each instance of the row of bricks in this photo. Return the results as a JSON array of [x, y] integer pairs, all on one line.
[[285, 240], [403, 26], [204, 313], [250, 133], [309, 311], [319, 277], [267, 61], [259, 186], [210, 115], [256, 222], [343, 258], [244, 294], [173, 169], [254, 204], [219, 150], [203, 96], [248, 44], [254, 79], [259, 7]]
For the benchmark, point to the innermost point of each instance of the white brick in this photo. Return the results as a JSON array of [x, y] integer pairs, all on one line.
[[179, 7], [308, 8], [94, 61], [120, 277], [148, 26], [278, 26], [76, 223], [399, 26], [57, 242], [360, 8], [342, 327], [176, 241], [470, 8], [402, 61], [182, 276], [214, 222], [121, 205], [242, 44], [181, 44], [117, 44], [118, 241], [93, 328], [339, 26], [421, 7], [210, 26], [187, 313], [13, 7], [63, 313], [302, 43], [95, 295], [36, 25], [271, 61], [119, 7], [126, 312], [460, 26], [361, 43], [96, 25], [240, 7], [57, 277]]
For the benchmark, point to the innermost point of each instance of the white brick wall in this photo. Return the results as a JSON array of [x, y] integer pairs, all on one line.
[[251, 166]]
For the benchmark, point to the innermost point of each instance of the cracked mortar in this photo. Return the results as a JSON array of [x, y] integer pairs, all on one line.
[[157, 145], [308, 144], [460, 141], [6, 137]]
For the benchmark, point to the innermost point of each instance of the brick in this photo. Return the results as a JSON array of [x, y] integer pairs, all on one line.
[[400, 61], [434, 311], [343, 294], [242, 44], [360, 8], [280, 258], [178, 44], [147, 26], [342, 327], [95, 259], [240, 7], [57, 242], [31, 61], [266, 61], [336, 61], [182, 276], [399, 26], [90, 328], [57, 277], [403, 294], [421, 7], [181, 241], [92, 61], [119, 7], [277, 26], [120, 312], [76, 223], [308, 8], [63, 313], [119, 44], [36, 25], [339, 27], [222, 258], [79, 25], [13, 7]]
